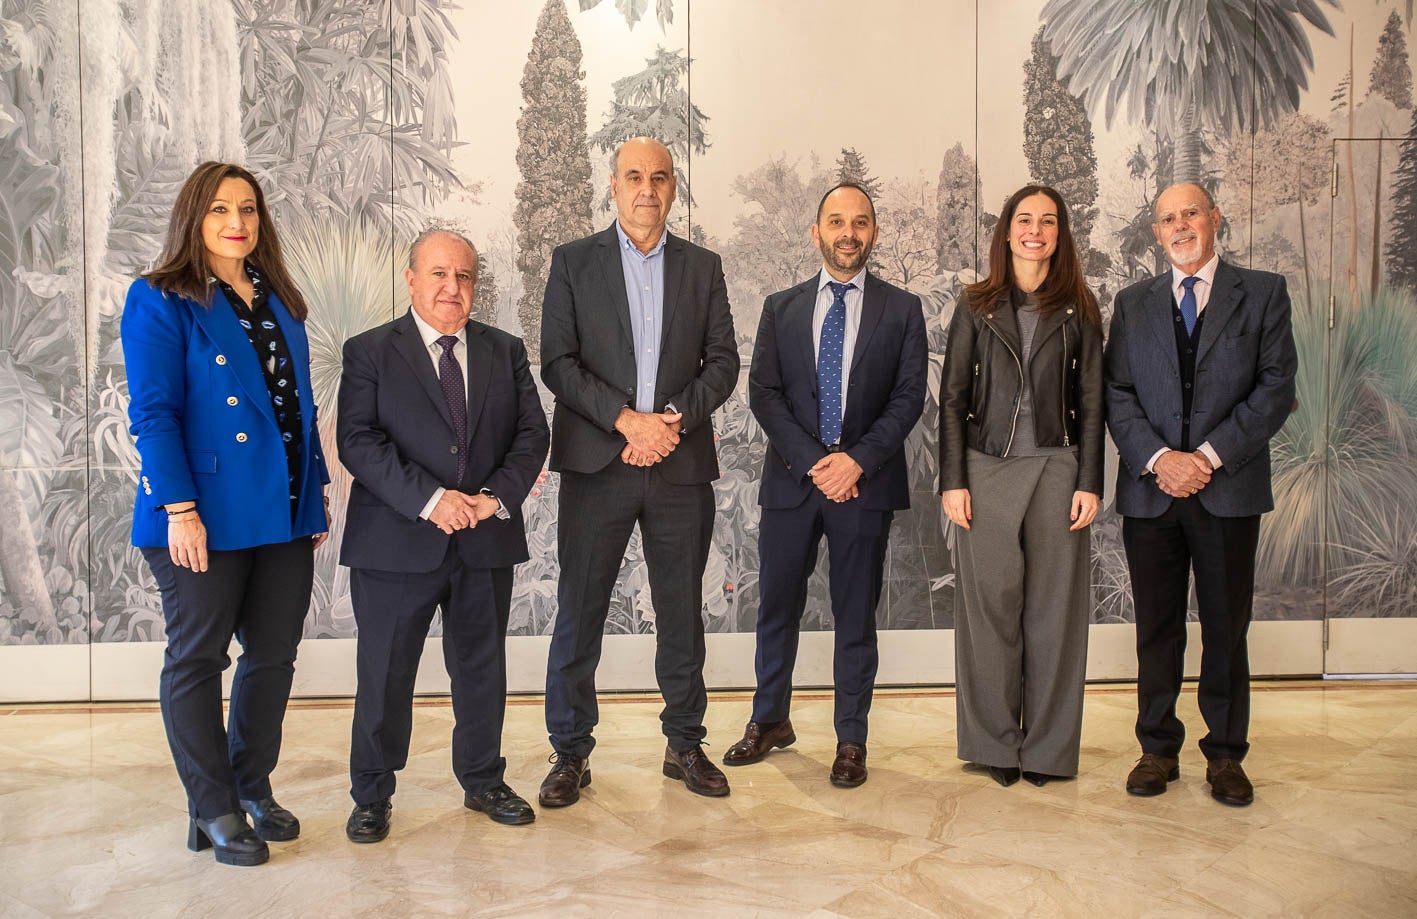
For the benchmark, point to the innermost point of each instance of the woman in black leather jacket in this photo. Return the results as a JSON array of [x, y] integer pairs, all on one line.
[[1021, 427]]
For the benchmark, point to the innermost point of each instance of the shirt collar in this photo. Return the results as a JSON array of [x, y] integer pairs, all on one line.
[[1206, 273], [431, 335], [626, 243], [825, 278]]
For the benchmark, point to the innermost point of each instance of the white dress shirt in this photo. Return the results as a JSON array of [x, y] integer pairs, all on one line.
[[853, 324], [435, 353], [1202, 288]]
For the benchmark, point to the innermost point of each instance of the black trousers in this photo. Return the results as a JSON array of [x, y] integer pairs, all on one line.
[[393, 612], [260, 596], [788, 540], [598, 512], [1161, 552]]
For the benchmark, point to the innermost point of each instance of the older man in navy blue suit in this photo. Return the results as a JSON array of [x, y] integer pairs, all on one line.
[[1199, 376], [442, 428], [838, 381]]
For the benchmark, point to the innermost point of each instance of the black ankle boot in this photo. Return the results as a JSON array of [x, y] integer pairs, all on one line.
[[232, 837]]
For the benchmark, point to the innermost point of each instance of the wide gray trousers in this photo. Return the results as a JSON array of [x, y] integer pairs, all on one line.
[[1024, 602]]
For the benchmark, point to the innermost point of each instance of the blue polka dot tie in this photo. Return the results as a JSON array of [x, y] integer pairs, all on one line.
[[455, 391], [1188, 304], [829, 353]]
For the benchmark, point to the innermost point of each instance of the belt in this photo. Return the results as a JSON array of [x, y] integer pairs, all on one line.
[[834, 448]]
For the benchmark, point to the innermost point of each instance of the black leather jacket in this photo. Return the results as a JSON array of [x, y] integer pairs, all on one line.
[[983, 376]]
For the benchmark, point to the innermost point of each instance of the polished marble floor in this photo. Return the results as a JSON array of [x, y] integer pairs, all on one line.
[[92, 822]]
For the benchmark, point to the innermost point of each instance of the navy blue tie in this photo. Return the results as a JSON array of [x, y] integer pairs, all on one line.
[[450, 377], [1188, 304], [829, 353]]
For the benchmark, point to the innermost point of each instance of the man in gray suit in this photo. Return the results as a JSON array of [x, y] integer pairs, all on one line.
[[1199, 376], [637, 346]]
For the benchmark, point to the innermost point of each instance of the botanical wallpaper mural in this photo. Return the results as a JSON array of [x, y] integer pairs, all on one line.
[[366, 119]]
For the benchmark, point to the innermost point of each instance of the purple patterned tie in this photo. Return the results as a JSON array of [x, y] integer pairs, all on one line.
[[455, 391]]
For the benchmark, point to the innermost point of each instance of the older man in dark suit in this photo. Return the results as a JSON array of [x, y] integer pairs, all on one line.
[[838, 381], [1199, 376], [637, 346], [442, 428]]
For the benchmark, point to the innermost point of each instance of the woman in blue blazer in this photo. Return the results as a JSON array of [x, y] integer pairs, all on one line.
[[229, 507]]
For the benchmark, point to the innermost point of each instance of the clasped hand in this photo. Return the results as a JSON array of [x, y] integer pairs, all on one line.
[[1181, 475], [457, 510], [835, 476], [651, 436]]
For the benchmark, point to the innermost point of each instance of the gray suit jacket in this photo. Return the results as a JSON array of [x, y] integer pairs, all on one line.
[[1244, 388], [588, 354]]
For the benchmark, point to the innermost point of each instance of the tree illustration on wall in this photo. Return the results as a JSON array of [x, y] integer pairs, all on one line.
[[1185, 66], [957, 210], [634, 10], [1057, 141], [652, 103], [553, 196], [1391, 76], [851, 167], [1402, 232]]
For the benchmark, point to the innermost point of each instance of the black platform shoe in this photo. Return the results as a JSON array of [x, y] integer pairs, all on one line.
[[232, 838]]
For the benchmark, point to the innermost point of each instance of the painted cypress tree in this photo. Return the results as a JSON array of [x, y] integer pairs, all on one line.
[[851, 167], [1057, 140], [1391, 76], [1402, 232], [484, 298], [957, 210], [553, 196]]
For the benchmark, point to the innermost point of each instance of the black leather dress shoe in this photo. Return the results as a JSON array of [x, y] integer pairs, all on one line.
[[272, 822], [759, 737], [849, 767], [1039, 779], [562, 785], [1004, 775], [368, 822], [1151, 774], [501, 804], [232, 838], [1228, 782], [696, 771]]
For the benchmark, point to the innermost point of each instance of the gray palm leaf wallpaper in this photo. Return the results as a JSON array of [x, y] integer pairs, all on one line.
[[366, 119]]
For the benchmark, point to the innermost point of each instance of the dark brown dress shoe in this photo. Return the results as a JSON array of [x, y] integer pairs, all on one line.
[[696, 770], [849, 768], [562, 785], [1228, 782], [368, 822], [1151, 773], [501, 804], [272, 822], [758, 739]]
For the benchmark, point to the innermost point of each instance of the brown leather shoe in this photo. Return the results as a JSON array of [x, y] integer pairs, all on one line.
[[758, 738], [696, 770], [562, 785], [1151, 773], [849, 769], [1228, 782]]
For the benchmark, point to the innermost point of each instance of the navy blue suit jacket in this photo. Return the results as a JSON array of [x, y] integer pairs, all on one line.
[[1244, 388], [396, 438], [201, 412], [885, 393]]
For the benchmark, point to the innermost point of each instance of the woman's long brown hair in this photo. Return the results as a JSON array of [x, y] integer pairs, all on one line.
[[182, 267], [1064, 285]]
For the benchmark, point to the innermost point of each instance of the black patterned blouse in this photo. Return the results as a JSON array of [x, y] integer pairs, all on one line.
[[266, 337]]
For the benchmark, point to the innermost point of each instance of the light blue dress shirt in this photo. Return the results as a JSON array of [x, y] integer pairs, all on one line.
[[644, 288]]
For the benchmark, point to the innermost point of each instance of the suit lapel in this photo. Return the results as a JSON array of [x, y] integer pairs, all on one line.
[[1158, 319], [796, 331], [673, 282], [1225, 297], [234, 347], [614, 279], [873, 303], [409, 344], [479, 373]]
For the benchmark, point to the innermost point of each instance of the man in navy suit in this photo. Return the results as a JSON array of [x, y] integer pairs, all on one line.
[[838, 381], [441, 426], [1199, 376], [637, 346]]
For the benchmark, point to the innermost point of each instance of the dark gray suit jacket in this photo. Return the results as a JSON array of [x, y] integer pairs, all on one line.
[[886, 393], [1244, 388], [588, 354]]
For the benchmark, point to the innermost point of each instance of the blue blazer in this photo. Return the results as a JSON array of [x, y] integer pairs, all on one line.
[[1244, 388], [886, 393], [201, 413]]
